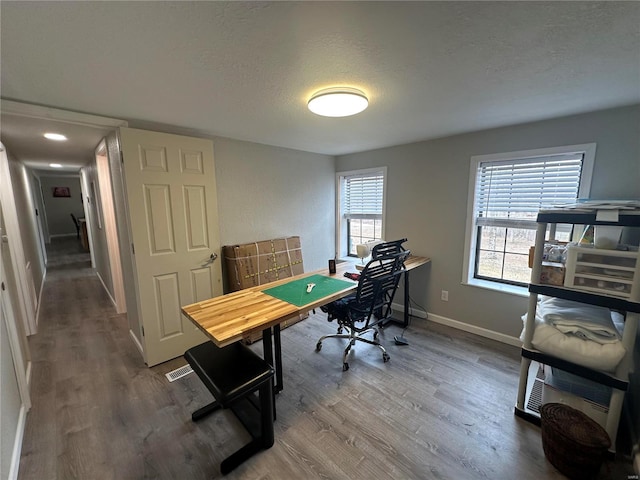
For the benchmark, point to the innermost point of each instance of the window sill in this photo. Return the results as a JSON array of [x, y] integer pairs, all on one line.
[[498, 287]]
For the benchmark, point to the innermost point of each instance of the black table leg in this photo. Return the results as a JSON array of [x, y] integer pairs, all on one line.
[[278, 352], [405, 322], [406, 299]]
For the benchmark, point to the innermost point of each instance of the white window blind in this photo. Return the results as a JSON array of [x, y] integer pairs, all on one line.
[[510, 193], [363, 195]]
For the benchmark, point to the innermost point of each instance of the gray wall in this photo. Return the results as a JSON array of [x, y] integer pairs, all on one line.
[[427, 200], [269, 192], [59, 209]]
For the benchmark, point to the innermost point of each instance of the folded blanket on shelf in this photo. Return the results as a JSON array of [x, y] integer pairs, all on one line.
[[587, 322], [594, 338], [550, 340]]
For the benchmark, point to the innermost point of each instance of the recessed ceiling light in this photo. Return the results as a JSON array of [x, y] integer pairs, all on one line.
[[338, 102], [55, 165], [55, 136]]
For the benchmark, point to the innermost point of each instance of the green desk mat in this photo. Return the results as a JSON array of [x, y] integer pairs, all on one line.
[[295, 292]]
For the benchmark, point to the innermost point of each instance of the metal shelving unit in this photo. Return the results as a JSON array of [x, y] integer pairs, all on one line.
[[629, 303]]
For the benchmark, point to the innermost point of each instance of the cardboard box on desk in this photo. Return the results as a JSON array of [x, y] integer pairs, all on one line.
[[257, 263], [253, 264]]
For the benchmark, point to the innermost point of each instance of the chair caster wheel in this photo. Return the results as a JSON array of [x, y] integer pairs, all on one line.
[[385, 357], [345, 367], [339, 330], [375, 336], [318, 346]]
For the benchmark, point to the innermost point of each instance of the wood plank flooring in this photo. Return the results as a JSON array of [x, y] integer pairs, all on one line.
[[441, 408]]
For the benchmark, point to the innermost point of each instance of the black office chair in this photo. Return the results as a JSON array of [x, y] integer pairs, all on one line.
[[77, 224], [370, 305]]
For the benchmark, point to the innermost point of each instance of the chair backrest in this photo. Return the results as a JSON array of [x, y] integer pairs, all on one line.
[[376, 288], [388, 248], [75, 221]]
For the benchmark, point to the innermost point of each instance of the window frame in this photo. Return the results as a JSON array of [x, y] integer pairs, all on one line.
[[342, 230], [588, 152]]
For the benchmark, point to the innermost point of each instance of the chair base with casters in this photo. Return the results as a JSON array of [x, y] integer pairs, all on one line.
[[353, 337], [370, 306], [233, 375]]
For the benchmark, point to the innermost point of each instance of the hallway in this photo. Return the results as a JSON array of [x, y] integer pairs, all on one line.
[[98, 412]]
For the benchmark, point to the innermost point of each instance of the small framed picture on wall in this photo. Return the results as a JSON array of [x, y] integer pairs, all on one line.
[[61, 192]]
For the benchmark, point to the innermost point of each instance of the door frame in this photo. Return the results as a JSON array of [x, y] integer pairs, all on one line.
[[16, 252], [12, 283], [106, 204]]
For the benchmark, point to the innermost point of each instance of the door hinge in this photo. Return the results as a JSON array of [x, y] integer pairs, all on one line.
[[133, 249], [142, 329], [3, 286], [36, 212]]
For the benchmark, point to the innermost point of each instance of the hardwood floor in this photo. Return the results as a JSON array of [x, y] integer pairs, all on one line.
[[441, 408]]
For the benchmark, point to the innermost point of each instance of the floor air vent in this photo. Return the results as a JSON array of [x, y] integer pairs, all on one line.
[[179, 373], [535, 399]]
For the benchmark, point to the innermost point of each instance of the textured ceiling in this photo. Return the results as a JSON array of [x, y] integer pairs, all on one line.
[[245, 70]]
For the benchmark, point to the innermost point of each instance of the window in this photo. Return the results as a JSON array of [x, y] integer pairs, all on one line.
[[505, 194], [361, 199]]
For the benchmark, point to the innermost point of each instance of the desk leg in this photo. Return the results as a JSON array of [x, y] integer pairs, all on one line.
[[275, 362], [406, 299], [278, 351], [405, 322], [267, 345]]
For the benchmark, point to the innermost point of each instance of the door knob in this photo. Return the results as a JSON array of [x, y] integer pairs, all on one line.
[[211, 259]]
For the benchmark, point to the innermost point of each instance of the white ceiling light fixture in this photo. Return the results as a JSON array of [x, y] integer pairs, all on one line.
[[58, 137], [55, 165], [338, 102]]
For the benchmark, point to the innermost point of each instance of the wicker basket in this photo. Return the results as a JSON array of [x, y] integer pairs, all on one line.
[[574, 443]]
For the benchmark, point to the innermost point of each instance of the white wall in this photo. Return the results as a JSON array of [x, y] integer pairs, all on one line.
[[14, 349], [59, 209], [10, 403]]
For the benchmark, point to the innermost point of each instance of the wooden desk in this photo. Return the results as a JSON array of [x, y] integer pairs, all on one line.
[[234, 316]]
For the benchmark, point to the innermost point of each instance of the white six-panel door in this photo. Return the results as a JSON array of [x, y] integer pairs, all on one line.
[[171, 191]]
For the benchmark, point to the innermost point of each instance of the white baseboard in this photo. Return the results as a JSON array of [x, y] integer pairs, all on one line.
[[60, 235], [107, 290], [398, 307], [17, 444], [449, 322], [28, 373], [483, 332], [44, 276], [136, 342]]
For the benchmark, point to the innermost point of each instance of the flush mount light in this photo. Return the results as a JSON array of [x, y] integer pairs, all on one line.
[[55, 165], [55, 136], [338, 102]]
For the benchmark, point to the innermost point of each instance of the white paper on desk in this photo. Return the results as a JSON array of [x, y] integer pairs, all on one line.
[[607, 216]]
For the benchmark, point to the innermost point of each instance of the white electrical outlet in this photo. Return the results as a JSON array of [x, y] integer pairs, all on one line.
[[444, 296]]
